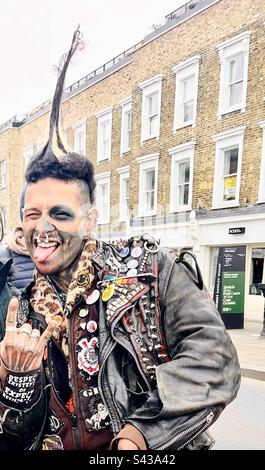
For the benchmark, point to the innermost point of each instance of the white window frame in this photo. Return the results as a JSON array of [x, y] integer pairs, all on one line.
[[228, 50], [178, 155], [3, 174], [261, 194], [149, 87], [80, 128], [185, 70], [124, 173], [226, 141], [148, 162], [104, 116], [103, 178], [28, 153], [126, 131], [3, 212]]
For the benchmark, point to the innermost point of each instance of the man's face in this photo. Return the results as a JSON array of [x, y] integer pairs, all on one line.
[[54, 224]]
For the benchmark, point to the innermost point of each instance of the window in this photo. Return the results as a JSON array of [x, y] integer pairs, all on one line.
[[3, 212], [261, 195], [80, 138], [256, 270], [2, 174], [182, 158], [148, 175], [124, 192], [126, 125], [28, 153], [187, 75], [213, 267], [103, 197], [228, 161], [151, 106], [104, 135], [234, 55]]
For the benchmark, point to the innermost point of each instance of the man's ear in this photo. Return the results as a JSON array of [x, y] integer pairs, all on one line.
[[89, 222], [92, 218]]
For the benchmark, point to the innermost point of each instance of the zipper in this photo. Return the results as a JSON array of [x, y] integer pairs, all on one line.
[[73, 416], [208, 418], [130, 350], [109, 404]]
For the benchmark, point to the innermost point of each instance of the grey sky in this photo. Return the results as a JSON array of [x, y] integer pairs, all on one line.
[[35, 33]]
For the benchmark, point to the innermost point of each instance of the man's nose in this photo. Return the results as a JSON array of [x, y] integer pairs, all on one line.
[[44, 226]]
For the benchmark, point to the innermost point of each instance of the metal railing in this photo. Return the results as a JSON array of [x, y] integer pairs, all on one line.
[[181, 10]]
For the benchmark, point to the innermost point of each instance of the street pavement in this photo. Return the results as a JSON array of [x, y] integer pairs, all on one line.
[[250, 348], [241, 426]]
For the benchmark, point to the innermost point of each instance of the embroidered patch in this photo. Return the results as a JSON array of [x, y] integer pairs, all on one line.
[[52, 442], [88, 356], [21, 390], [93, 410], [55, 423]]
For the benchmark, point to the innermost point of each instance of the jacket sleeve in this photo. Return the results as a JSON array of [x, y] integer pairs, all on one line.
[[18, 428], [203, 375]]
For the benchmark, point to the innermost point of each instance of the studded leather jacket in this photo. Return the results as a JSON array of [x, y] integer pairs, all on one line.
[[167, 365]]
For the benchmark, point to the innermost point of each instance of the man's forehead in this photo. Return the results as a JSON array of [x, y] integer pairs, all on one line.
[[51, 191]]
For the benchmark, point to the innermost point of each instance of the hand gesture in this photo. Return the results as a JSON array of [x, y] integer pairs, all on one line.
[[22, 348]]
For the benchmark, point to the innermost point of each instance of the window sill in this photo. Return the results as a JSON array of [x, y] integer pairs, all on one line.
[[182, 126], [102, 161], [149, 138], [103, 222], [225, 206], [180, 209], [122, 153], [242, 109]]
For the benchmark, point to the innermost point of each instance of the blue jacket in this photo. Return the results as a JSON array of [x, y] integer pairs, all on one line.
[[21, 273]]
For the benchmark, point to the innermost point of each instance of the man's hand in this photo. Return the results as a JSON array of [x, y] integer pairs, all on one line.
[[126, 444], [22, 348]]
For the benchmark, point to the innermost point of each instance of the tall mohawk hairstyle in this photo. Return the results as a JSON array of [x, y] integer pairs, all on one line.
[[54, 160]]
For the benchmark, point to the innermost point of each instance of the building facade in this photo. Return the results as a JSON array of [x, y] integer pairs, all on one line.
[[175, 127]]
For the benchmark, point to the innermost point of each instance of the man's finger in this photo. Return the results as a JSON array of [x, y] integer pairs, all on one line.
[[11, 318], [45, 337]]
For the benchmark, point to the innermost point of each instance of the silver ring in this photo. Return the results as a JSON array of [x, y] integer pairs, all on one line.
[[155, 250], [11, 328], [39, 238], [25, 328], [24, 331], [35, 335]]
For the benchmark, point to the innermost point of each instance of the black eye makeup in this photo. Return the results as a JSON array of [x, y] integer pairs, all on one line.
[[61, 212]]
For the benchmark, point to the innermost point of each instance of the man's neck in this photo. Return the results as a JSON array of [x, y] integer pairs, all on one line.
[[63, 279]]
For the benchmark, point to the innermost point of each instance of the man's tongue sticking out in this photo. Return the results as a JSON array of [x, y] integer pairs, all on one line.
[[41, 254]]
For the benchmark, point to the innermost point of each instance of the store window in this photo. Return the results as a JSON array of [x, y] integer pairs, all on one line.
[[256, 270], [213, 267]]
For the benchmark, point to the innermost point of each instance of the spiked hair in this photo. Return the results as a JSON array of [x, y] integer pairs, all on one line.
[[54, 160]]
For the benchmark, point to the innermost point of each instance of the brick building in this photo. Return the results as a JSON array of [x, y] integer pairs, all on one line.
[[175, 128]]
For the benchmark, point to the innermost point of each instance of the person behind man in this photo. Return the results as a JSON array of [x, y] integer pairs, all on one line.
[[22, 270], [107, 348]]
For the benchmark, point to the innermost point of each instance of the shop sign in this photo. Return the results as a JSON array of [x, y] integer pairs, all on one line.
[[230, 285]]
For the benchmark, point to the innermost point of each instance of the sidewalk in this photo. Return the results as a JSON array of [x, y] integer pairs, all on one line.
[[250, 348]]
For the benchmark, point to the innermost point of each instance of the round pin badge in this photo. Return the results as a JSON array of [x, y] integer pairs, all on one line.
[[92, 326], [132, 263], [136, 252], [124, 252], [132, 272], [123, 269], [93, 297], [108, 292], [83, 279], [83, 312]]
